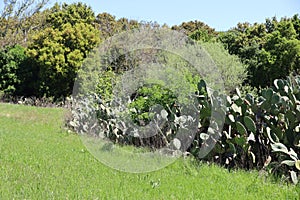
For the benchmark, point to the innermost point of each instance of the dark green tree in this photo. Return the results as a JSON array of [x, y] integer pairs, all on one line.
[[11, 60], [270, 50]]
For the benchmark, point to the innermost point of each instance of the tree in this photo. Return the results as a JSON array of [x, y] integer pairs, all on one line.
[[192, 26], [124, 24], [270, 50], [107, 24], [60, 49], [233, 71], [296, 23], [18, 19], [202, 35], [73, 14]]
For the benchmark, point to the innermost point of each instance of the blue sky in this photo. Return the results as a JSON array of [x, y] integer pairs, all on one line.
[[219, 14]]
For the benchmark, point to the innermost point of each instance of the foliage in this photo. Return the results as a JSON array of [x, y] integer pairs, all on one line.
[[75, 13], [20, 19], [60, 49], [271, 50], [192, 27], [147, 97], [202, 35], [233, 71], [108, 25], [125, 24], [139, 109], [246, 89], [11, 60]]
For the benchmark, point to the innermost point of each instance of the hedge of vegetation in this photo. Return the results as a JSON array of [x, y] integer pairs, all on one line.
[[42, 49]]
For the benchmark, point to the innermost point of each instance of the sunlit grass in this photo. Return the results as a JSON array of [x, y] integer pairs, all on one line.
[[39, 160]]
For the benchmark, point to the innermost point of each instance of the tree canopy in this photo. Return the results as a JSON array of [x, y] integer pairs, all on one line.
[[56, 40], [270, 49]]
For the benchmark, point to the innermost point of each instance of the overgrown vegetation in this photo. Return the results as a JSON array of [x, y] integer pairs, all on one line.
[[258, 133], [268, 51]]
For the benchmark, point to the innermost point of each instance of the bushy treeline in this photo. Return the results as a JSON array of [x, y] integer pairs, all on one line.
[[270, 50], [42, 50], [43, 57]]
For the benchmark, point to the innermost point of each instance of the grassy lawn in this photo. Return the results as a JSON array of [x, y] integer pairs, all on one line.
[[39, 160]]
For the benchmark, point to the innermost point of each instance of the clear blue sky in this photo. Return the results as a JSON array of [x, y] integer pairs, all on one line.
[[219, 14]]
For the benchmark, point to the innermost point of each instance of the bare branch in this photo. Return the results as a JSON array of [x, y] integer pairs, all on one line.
[[15, 19]]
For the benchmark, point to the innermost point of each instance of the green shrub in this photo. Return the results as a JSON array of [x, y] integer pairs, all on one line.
[[11, 60], [233, 71]]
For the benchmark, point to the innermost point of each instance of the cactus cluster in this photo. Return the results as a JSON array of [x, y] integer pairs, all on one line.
[[260, 132], [248, 132]]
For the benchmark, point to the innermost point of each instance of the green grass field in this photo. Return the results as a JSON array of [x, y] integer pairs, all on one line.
[[40, 160]]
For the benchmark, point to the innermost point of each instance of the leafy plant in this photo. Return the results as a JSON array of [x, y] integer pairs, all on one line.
[[11, 61]]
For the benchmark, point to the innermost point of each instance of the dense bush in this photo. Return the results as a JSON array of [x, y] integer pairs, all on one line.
[[271, 50], [234, 73], [11, 61]]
